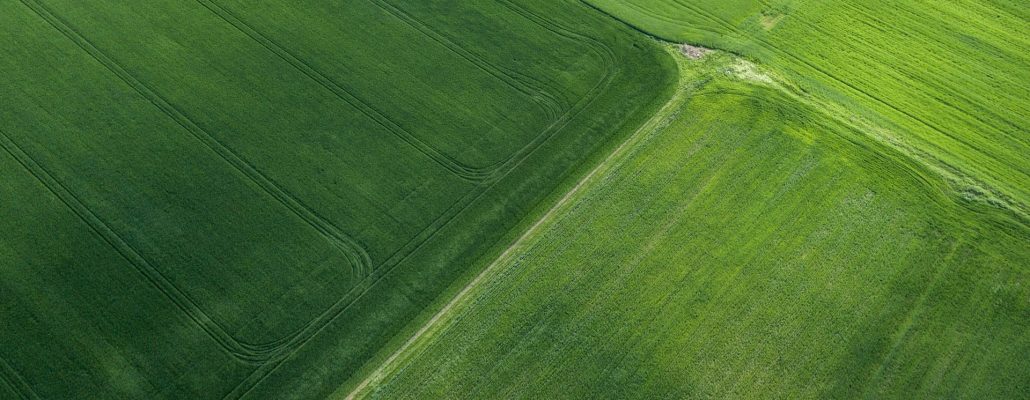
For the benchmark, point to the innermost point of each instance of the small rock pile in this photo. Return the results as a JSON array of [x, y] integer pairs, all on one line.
[[694, 52]]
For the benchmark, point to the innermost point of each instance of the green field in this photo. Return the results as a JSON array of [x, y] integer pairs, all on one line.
[[834, 207], [216, 199], [514, 199]]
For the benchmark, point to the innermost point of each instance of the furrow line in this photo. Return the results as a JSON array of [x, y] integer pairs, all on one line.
[[12, 378], [123, 248], [545, 100], [457, 168], [860, 91], [905, 327]]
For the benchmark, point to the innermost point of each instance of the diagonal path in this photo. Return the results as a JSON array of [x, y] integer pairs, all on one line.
[[444, 315]]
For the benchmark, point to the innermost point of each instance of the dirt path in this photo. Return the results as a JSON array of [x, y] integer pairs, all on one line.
[[435, 323]]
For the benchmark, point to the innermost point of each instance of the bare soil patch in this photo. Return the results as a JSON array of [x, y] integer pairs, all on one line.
[[694, 52]]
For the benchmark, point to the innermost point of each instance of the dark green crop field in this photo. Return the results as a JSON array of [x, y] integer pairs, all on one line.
[[218, 199]]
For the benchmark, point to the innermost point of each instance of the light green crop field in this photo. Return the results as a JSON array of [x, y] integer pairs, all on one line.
[[222, 199], [748, 247]]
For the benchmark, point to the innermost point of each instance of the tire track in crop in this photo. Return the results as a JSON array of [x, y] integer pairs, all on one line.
[[180, 299], [353, 250], [901, 333], [608, 59], [479, 175], [452, 165], [248, 352], [14, 380], [608, 62], [552, 104], [269, 357], [651, 13]]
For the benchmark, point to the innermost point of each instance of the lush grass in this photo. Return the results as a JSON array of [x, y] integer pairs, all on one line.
[[946, 82], [755, 247], [216, 198]]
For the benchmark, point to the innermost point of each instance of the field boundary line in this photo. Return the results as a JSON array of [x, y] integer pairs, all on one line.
[[440, 318], [1008, 202], [880, 107], [17, 383]]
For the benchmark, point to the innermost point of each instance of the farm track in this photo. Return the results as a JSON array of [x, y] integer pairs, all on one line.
[[353, 251], [344, 303], [13, 379], [715, 172], [609, 162], [615, 167]]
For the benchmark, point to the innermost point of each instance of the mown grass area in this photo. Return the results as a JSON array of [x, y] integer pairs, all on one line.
[[945, 82], [751, 247], [216, 199]]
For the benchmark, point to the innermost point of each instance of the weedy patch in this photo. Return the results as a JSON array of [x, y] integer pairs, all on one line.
[[748, 71]]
